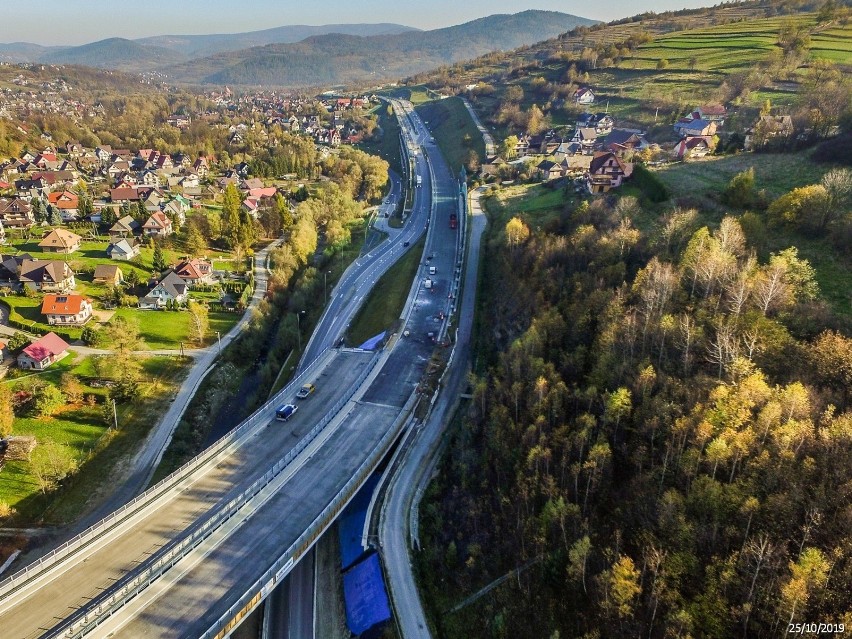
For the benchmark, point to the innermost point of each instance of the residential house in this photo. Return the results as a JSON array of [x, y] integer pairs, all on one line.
[[124, 227], [584, 95], [195, 271], [769, 129], [67, 202], [122, 250], [693, 147], [201, 167], [10, 266], [170, 289], [60, 241], [47, 276], [585, 137], [694, 127], [67, 310], [175, 210], [4, 351], [158, 224], [623, 142], [493, 165], [150, 178], [43, 352], [16, 213], [108, 274], [712, 113], [607, 171], [124, 194], [549, 170]]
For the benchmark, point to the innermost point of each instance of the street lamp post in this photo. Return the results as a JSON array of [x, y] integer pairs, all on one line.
[[114, 414], [325, 285], [219, 341], [299, 329]]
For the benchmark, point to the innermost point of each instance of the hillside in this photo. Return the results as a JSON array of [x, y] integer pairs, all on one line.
[[112, 53], [196, 46], [336, 59]]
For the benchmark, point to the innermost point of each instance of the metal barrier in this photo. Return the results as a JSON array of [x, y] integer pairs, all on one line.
[[136, 506], [303, 543], [102, 607]]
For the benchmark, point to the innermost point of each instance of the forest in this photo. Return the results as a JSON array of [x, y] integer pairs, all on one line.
[[659, 437]]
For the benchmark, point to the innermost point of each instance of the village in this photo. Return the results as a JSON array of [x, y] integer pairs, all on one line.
[[598, 155]]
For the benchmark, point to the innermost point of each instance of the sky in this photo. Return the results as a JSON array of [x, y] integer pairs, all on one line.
[[62, 22]]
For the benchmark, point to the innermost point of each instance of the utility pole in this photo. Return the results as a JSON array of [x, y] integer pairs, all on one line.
[[114, 414], [219, 341], [325, 285]]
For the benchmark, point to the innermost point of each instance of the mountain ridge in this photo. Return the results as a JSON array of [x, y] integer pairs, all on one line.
[[339, 59]]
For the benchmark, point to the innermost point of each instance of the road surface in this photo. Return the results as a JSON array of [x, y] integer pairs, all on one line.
[[415, 470]]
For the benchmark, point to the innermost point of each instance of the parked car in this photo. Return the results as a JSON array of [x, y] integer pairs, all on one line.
[[305, 391]]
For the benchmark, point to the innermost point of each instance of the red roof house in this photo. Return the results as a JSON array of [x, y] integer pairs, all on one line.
[[43, 352]]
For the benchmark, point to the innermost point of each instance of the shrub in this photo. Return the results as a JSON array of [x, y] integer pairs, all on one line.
[[650, 185]]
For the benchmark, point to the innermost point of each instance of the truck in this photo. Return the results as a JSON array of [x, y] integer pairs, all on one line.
[[453, 221], [285, 412], [419, 180]]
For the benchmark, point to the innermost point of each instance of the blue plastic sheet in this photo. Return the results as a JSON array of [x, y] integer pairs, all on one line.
[[367, 604]]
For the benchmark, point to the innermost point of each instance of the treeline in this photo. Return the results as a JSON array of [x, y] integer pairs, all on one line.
[[661, 436], [361, 175]]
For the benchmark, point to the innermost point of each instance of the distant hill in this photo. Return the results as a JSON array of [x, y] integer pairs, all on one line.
[[22, 51], [341, 59], [113, 53], [196, 46]]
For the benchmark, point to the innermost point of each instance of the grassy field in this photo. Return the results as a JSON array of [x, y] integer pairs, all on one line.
[[384, 305], [168, 329], [454, 130], [98, 451], [536, 204], [701, 183], [387, 146]]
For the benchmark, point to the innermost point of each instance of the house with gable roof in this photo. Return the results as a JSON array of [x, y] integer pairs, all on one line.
[[66, 309], [60, 241], [43, 352], [169, 289]]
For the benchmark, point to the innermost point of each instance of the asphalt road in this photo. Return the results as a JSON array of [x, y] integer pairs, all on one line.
[[131, 545], [415, 470]]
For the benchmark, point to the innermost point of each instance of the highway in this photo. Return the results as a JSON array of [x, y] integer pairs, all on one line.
[[213, 577], [415, 470]]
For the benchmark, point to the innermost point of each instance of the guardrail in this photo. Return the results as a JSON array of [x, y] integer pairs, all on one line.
[[136, 506], [230, 619], [102, 607]]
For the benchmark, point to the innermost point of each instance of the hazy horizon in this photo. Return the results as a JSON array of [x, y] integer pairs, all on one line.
[[47, 22]]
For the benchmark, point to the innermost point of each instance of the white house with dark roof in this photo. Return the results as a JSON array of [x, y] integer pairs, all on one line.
[[170, 288]]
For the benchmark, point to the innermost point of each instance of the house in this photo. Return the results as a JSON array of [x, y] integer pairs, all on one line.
[[47, 276], [43, 352], [60, 241], [16, 213], [4, 351], [170, 288], [548, 170], [620, 141], [712, 113], [694, 126], [195, 271], [108, 274], [584, 95], [769, 128], [493, 165], [158, 224], [606, 171], [67, 202], [66, 310], [124, 227], [585, 137], [124, 194], [122, 250], [693, 147], [201, 167], [10, 266]]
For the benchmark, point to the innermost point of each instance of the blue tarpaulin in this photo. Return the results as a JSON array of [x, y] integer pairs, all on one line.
[[371, 343], [366, 598], [350, 526]]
